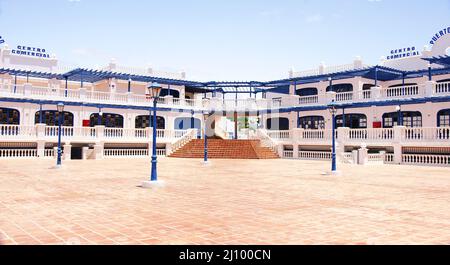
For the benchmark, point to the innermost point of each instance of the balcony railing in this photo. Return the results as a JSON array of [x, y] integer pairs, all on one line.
[[385, 136], [50, 133], [217, 104]]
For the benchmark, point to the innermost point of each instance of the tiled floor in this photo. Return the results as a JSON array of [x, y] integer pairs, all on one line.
[[228, 202]]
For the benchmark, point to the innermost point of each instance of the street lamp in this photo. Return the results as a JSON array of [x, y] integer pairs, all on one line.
[[333, 110], [60, 108], [399, 115], [154, 90], [205, 118]]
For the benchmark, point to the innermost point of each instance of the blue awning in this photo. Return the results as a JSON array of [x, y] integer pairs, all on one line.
[[35, 74], [441, 60]]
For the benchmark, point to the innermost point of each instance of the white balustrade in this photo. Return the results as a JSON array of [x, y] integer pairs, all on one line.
[[18, 153], [314, 155], [426, 134], [344, 96], [186, 138], [443, 88], [402, 91], [372, 134], [288, 154], [428, 160], [316, 135], [120, 153], [375, 158], [389, 158], [279, 135], [306, 100], [49, 153], [53, 131], [17, 131]]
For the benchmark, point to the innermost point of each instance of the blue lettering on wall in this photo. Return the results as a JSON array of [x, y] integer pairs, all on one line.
[[403, 53], [31, 51], [438, 35], [2, 40]]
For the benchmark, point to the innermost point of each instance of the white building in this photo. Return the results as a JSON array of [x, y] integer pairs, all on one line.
[[394, 112]]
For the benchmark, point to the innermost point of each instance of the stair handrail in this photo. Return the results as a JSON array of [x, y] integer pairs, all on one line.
[[221, 133], [266, 140], [179, 143]]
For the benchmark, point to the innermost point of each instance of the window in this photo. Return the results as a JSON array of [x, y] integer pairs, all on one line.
[[51, 118], [109, 120], [410, 119], [353, 121], [341, 88], [171, 92], [9, 116], [146, 121], [312, 122], [276, 102], [278, 124], [444, 118], [304, 92]]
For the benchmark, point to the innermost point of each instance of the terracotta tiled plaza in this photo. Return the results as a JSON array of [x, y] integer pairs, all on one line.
[[228, 202]]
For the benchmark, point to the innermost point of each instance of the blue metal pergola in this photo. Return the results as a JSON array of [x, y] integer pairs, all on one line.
[[376, 73], [440, 60]]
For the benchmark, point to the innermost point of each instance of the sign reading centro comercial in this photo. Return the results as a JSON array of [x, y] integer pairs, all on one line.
[[402, 53], [31, 51], [438, 35]]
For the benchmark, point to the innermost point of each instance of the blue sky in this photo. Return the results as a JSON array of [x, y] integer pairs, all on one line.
[[222, 39]]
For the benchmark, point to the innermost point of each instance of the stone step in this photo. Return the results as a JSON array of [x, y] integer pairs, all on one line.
[[225, 149]]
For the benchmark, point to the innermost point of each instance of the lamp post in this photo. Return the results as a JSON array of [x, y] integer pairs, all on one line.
[[399, 115], [154, 91], [60, 108], [333, 110], [205, 118]]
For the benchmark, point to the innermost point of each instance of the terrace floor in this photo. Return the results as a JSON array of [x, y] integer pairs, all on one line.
[[227, 202]]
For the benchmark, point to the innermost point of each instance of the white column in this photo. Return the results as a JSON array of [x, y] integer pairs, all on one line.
[[363, 155], [430, 87], [397, 144], [67, 155], [330, 97]]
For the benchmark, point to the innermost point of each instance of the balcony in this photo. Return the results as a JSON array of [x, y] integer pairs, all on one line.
[[27, 91], [18, 133]]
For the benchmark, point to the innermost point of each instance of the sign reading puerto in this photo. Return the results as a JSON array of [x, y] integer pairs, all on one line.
[[402, 53], [31, 51], [438, 35], [2, 40]]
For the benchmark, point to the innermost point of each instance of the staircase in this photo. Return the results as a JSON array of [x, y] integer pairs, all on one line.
[[225, 149]]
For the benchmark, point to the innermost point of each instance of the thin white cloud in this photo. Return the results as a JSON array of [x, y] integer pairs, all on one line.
[[314, 18]]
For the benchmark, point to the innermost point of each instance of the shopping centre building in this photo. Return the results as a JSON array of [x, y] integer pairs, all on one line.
[[395, 112]]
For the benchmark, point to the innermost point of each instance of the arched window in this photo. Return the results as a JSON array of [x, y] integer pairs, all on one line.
[[444, 118], [109, 120], [410, 119], [188, 123], [353, 121], [341, 88], [146, 121], [304, 92], [278, 124], [312, 122], [9, 116], [173, 93], [368, 86], [51, 118]]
